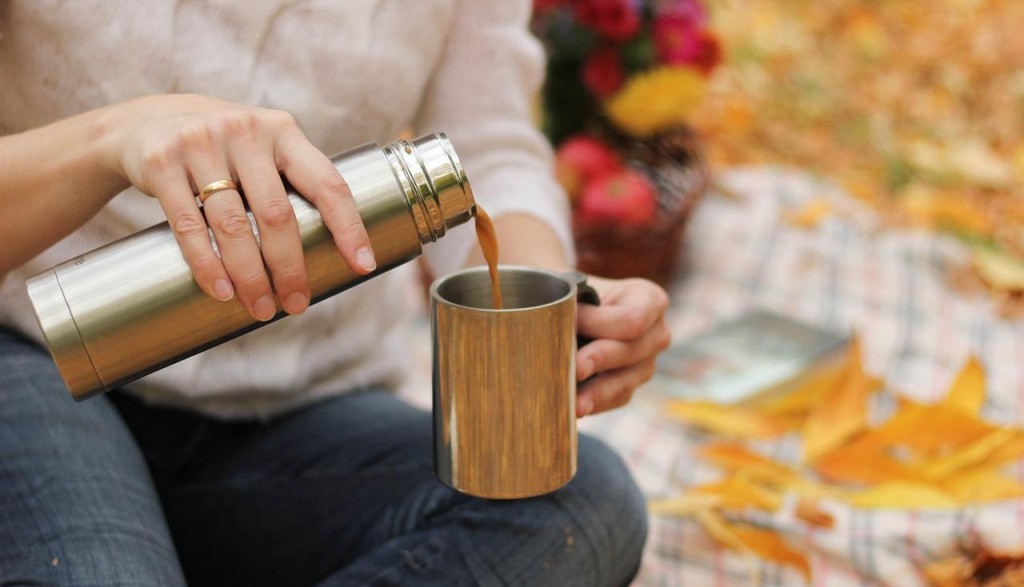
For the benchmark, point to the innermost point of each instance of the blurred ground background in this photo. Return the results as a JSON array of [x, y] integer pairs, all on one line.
[[916, 107]]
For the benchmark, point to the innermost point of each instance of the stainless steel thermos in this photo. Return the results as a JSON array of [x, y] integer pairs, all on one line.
[[131, 307]]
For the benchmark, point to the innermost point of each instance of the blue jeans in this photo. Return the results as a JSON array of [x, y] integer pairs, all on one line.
[[114, 492]]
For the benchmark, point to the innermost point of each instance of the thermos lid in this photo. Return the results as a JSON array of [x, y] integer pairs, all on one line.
[[62, 336], [447, 179], [431, 174]]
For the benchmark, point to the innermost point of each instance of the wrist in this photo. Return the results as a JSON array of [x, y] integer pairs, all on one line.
[[108, 135]]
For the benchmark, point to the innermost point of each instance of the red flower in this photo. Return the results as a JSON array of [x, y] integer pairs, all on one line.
[[616, 20], [710, 54], [542, 6], [603, 72]]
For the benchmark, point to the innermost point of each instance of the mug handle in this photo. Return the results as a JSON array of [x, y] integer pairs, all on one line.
[[584, 294]]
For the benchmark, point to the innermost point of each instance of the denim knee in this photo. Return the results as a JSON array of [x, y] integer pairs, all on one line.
[[609, 512]]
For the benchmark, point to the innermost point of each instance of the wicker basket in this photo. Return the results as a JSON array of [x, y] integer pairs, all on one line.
[[676, 166]]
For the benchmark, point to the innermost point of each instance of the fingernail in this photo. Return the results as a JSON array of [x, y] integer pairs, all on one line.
[[586, 406], [296, 303], [223, 290], [587, 369], [264, 308], [364, 256]]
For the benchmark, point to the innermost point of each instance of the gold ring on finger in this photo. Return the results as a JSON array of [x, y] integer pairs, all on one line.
[[217, 186]]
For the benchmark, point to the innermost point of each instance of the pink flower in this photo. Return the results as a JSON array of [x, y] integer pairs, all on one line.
[[616, 20], [677, 40], [603, 73]]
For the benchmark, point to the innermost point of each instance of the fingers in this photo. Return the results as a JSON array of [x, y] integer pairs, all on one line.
[[181, 143], [239, 251], [315, 177], [607, 354], [629, 332], [612, 389], [279, 239], [173, 191], [621, 368], [629, 308]]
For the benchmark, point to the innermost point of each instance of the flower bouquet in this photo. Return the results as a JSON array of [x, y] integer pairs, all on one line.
[[623, 79]]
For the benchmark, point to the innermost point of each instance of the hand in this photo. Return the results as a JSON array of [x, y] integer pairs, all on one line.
[[628, 331], [172, 146]]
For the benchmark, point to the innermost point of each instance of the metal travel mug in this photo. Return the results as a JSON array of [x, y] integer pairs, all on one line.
[[505, 381], [131, 307]]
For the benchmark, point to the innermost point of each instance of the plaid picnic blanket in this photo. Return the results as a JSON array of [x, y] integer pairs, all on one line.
[[850, 273]]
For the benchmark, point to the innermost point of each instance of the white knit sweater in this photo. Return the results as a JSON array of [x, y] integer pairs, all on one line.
[[350, 71]]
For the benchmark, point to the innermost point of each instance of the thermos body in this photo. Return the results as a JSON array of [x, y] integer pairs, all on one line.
[[131, 307]]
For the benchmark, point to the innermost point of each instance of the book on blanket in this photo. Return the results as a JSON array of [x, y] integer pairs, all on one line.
[[758, 353]]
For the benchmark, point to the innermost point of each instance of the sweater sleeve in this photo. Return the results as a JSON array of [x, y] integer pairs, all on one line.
[[482, 96]]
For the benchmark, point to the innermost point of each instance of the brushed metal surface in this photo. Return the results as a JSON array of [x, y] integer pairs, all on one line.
[[133, 306], [504, 382]]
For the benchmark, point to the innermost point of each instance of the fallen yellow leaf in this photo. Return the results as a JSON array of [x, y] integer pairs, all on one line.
[[982, 484], [812, 513], [863, 463], [903, 495], [726, 420], [773, 547], [1000, 270], [944, 209], [971, 455], [766, 544], [715, 525], [913, 428], [842, 413], [810, 214], [1009, 452], [798, 400], [739, 494], [967, 393], [684, 504], [735, 457]]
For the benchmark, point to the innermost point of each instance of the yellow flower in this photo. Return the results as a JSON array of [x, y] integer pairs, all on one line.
[[655, 100]]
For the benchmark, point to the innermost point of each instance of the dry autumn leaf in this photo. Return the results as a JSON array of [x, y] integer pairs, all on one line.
[[810, 214], [726, 420], [766, 544], [903, 495], [1001, 271], [1010, 452], [812, 513], [974, 454], [734, 457], [967, 393], [738, 494], [982, 484], [902, 463], [842, 413], [913, 429], [685, 504], [797, 401], [881, 105], [863, 463], [976, 565], [772, 546]]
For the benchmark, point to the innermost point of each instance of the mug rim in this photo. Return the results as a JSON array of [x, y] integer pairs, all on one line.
[[435, 296]]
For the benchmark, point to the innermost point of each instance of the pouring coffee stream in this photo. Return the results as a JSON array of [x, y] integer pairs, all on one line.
[[488, 239]]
